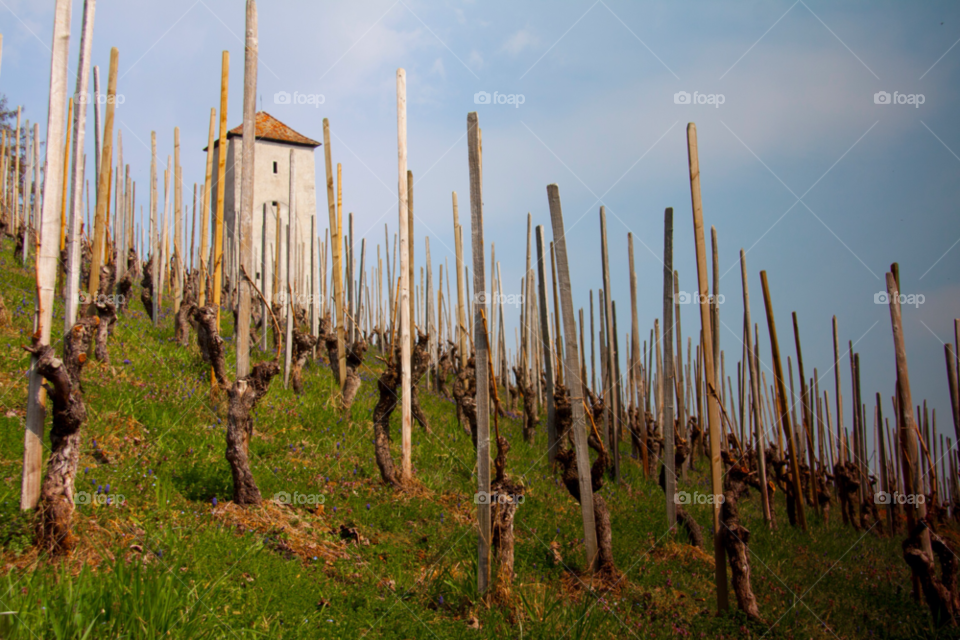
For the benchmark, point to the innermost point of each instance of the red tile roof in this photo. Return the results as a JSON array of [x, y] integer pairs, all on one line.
[[269, 128]]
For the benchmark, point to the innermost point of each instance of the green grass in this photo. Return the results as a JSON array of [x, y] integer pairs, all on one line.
[[167, 563]]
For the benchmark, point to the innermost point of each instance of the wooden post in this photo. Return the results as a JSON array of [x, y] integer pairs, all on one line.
[[66, 176], [461, 316], [246, 193], [713, 409], [839, 396], [221, 185], [755, 392], [781, 400], [336, 245], [288, 289], [103, 183], [908, 429], [48, 253], [481, 347], [406, 320], [205, 213], [154, 231], [177, 223], [575, 385], [635, 348], [670, 474], [611, 412], [952, 384], [547, 348], [807, 414], [193, 229], [410, 242]]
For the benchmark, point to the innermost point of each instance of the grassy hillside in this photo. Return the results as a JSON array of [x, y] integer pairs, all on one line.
[[171, 555]]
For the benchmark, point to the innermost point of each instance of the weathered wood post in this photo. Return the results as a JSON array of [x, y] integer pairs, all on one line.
[[668, 370], [154, 232], [336, 244], [781, 400], [713, 408], [612, 413], [291, 309], [916, 510], [177, 223], [76, 168], [221, 185], [48, 254], [406, 319], [755, 393], [547, 349], [246, 194], [205, 213], [575, 385], [481, 347], [807, 414], [103, 184]]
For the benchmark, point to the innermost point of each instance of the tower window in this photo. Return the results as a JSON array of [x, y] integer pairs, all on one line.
[[274, 167]]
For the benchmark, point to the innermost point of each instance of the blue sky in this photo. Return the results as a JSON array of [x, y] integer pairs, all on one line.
[[800, 166]]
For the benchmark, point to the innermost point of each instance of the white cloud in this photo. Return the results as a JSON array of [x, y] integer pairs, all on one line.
[[519, 41], [475, 61], [439, 69]]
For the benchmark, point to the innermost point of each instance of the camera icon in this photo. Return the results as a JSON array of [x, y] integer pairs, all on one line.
[[684, 297], [881, 97], [881, 297], [481, 97], [882, 497], [81, 498], [480, 298], [281, 97], [282, 497], [681, 497], [681, 97], [481, 497]]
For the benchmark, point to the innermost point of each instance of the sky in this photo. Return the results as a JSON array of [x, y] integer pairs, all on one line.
[[829, 146]]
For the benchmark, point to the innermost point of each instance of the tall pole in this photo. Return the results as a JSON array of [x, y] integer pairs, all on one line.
[[781, 401], [670, 475], [575, 384], [547, 348], [47, 253], [713, 408], [612, 413], [221, 185], [481, 347], [103, 183], [205, 213], [755, 392], [76, 168], [337, 246], [406, 463], [246, 190]]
